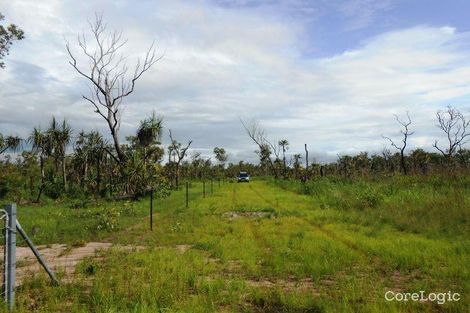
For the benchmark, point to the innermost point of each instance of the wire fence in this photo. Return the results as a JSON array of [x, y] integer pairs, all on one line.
[[11, 227], [188, 191], [8, 218], [4, 225]]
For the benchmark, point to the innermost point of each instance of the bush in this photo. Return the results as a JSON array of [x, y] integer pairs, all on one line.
[[54, 190], [368, 198], [105, 218]]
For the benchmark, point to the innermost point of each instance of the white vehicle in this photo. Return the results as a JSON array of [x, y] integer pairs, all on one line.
[[243, 177]]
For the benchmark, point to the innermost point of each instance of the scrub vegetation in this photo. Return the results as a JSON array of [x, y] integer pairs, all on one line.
[[331, 245]]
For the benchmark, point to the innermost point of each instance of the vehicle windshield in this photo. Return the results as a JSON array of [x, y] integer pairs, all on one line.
[[243, 175]]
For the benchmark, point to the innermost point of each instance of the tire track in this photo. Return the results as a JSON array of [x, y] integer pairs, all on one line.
[[329, 234], [234, 197], [385, 271], [326, 232]]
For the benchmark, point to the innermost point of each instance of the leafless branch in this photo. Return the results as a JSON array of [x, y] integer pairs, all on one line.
[[107, 72], [456, 129]]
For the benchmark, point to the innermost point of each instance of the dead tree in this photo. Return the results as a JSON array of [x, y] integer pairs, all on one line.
[[306, 164], [178, 152], [107, 72], [266, 148], [405, 131], [455, 126]]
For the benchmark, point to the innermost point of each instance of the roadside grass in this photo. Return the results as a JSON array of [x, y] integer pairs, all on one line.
[[328, 246]]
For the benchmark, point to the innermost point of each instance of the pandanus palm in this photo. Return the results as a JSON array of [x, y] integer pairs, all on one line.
[[9, 143], [42, 145], [149, 134], [148, 137], [60, 135], [88, 148]]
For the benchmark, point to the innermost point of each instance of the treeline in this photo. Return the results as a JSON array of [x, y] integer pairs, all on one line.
[[56, 162], [450, 155]]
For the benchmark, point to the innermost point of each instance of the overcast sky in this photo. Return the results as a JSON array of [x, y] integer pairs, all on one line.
[[327, 73]]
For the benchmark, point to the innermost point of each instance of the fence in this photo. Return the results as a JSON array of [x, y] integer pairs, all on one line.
[[9, 254], [10, 229], [187, 186]]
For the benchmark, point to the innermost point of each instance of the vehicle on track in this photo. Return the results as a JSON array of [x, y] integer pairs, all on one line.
[[243, 177]]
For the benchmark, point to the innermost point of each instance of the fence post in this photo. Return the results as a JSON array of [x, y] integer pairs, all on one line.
[[187, 200], [151, 209], [203, 188], [10, 256], [36, 253], [212, 186]]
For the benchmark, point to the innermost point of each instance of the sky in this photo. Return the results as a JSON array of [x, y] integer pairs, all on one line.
[[330, 74]]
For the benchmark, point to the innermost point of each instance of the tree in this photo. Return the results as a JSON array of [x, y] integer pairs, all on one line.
[[455, 126], [266, 148], [148, 139], [297, 157], [284, 144], [9, 143], [420, 160], [42, 145], [8, 35], [345, 164], [178, 152], [89, 150], [108, 76], [405, 131], [196, 165], [60, 135], [306, 164], [149, 135], [220, 155], [150, 131]]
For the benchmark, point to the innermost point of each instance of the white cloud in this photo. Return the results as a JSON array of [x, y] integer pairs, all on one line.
[[221, 64]]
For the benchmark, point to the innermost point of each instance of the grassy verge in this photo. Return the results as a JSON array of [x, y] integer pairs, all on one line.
[[261, 247]]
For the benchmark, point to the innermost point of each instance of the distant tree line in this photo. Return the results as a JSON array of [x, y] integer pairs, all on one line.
[[450, 156], [55, 161]]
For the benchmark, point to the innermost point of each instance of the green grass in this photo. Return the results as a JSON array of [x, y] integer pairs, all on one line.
[[329, 246]]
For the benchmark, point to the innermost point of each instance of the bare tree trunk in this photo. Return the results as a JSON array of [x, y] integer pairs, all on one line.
[[120, 154], [306, 164], [41, 164], [40, 193], [402, 162], [284, 162]]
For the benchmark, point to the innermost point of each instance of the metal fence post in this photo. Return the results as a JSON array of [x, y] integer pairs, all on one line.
[[203, 188], [10, 256], [36, 253], [212, 186]]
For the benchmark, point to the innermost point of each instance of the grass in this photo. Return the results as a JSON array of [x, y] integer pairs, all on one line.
[[331, 245]]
